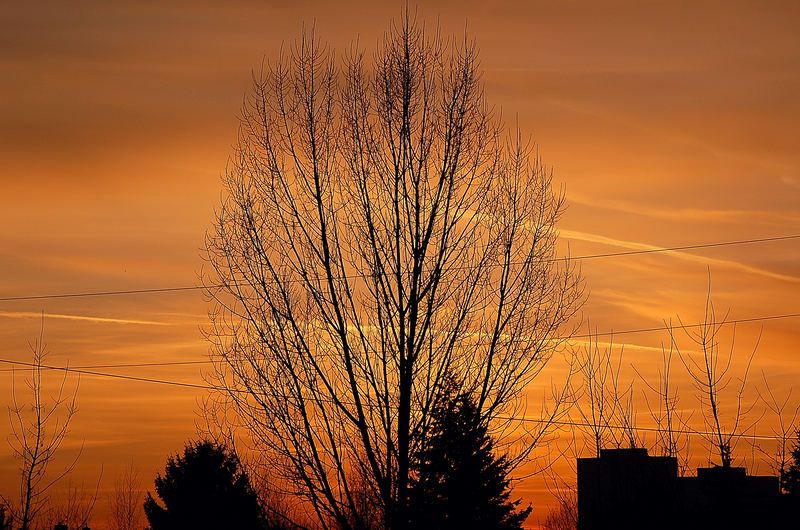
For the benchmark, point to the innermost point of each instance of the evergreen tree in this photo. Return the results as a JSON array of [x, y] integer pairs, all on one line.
[[204, 489], [458, 481], [791, 478]]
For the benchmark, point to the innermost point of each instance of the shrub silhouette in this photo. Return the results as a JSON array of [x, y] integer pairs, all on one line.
[[204, 489]]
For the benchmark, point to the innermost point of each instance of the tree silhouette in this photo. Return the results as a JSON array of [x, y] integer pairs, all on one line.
[[710, 373], [204, 489], [125, 503], [38, 428], [379, 228], [564, 516], [791, 478], [669, 417], [784, 425], [600, 403], [73, 507], [458, 481]]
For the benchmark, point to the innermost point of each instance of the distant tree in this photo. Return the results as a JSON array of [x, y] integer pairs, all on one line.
[[73, 507], [564, 516], [126, 500], [204, 489], [562, 486], [784, 424], [672, 434], [601, 403], [39, 425], [791, 478], [710, 373], [458, 482]]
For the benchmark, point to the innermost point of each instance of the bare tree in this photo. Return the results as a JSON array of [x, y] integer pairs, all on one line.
[[600, 403], [672, 438], [784, 427], [379, 233], [74, 507], [127, 500], [710, 373], [38, 428], [631, 437], [564, 516]]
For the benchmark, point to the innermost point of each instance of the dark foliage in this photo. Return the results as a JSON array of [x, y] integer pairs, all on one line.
[[791, 478], [204, 489], [6, 519], [458, 482]]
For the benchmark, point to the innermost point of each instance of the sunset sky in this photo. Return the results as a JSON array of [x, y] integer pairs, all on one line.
[[668, 123]]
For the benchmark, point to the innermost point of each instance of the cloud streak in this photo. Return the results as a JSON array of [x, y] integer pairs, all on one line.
[[83, 318], [634, 245], [683, 214]]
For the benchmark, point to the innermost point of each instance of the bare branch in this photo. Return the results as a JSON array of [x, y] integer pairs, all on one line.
[[379, 233]]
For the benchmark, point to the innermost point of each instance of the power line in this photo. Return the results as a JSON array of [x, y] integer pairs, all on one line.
[[636, 428], [355, 276], [104, 293], [524, 419], [592, 335], [683, 326], [685, 247], [106, 374], [128, 365]]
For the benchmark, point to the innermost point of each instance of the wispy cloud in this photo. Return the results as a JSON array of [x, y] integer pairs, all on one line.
[[634, 245], [616, 345], [650, 309], [84, 318], [791, 182], [684, 214]]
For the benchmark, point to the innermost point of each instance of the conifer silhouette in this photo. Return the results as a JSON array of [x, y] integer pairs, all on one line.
[[458, 481], [790, 479], [204, 489]]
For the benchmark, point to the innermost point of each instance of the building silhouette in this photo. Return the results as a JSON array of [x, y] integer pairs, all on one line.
[[627, 489]]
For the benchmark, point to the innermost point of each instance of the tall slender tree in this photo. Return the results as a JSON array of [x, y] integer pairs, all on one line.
[[126, 500], [39, 426], [710, 372]]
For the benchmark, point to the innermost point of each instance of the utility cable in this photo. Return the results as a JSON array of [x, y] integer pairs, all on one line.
[[591, 335], [356, 276], [524, 419]]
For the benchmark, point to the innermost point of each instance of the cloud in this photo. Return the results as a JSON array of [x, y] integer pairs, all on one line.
[[100, 320], [684, 214], [633, 245], [791, 182], [616, 345]]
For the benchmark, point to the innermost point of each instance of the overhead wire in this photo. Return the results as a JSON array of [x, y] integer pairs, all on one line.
[[155, 290], [588, 335], [91, 369], [525, 419], [128, 365]]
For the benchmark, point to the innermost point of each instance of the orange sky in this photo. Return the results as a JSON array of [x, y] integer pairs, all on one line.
[[669, 123]]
